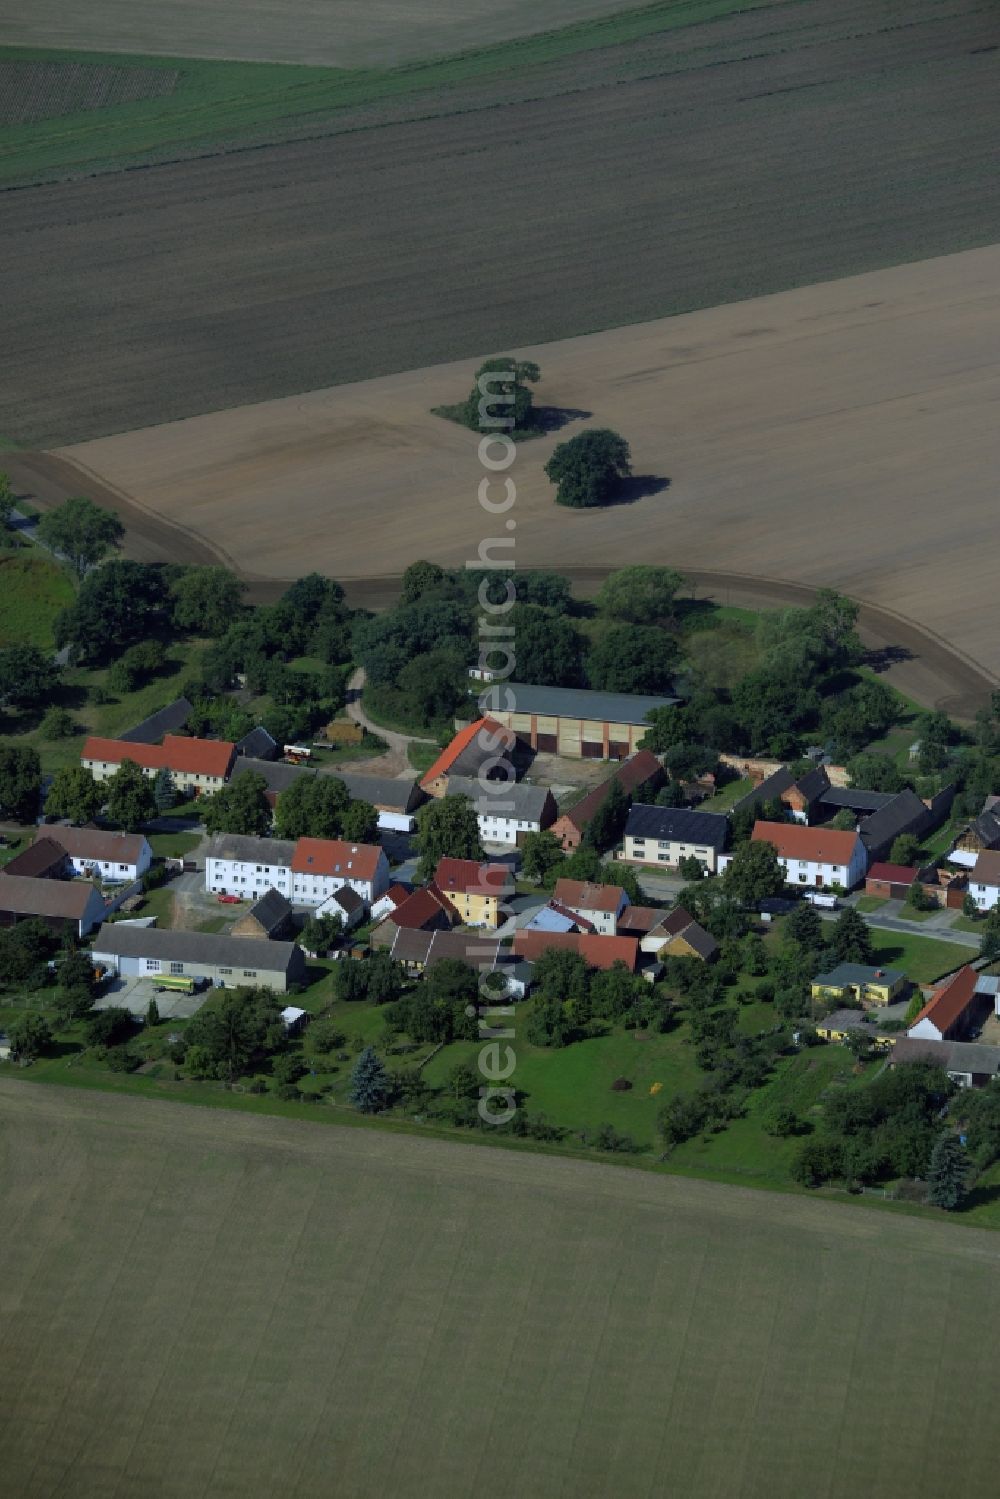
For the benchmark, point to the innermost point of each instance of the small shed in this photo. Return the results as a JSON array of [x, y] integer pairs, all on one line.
[[270, 917]]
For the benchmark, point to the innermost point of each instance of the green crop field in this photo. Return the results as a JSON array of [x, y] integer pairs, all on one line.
[[199, 1304], [213, 102]]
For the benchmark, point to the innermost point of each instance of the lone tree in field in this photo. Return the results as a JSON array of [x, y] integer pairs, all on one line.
[[947, 1173], [369, 1083], [587, 469], [81, 532], [500, 399]]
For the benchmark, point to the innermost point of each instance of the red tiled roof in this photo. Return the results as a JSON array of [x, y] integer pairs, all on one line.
[[951, 1000], [573, 916], [206, 757], [465, 876], [461, 741], [332, 856], [818, 845], [634, 772], [596, 951], [587, 896], [639, 919], [421, 907], [397, 894], [894, 874]]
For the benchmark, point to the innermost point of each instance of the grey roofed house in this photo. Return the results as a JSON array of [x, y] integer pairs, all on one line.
[[986, 828], [967, 1058], [813, 784], [168, 720], [386, 793], [71, 901], [258, 744], [202, 949], [278, 776], [840, 797], [580, 702], [426, 948], [244, 850], [677, 825], [848, 1020], [858, 973], [515, 799], [272, 912], [905, 813]]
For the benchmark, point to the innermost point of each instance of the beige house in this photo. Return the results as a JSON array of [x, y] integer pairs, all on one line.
[[575, 722], [198, 766]]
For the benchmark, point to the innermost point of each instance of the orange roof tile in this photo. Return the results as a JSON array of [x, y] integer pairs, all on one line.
[[461, 742], [596, 951], [332, 856], [207, 757], [817, 845], [588, 896], [950, 1001], [468, 876]]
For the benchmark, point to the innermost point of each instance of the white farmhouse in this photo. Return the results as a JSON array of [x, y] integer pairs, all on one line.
[[815, 858], [984, 880], [307, 873]]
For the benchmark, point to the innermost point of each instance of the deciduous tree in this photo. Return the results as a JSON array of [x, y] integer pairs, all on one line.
[[241, 807], [641, 594], [75, 794], [81, 532], [448, 827], [130, 799], [754, 873], [588, 468], [20, 779]]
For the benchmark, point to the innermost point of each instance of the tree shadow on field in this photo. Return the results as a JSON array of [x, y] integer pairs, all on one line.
[[554, 418], [637, 487], [888, 655], [980, 1197]]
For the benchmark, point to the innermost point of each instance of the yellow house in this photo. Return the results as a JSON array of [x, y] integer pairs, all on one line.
[[843, 1023], [476, 891], [866, 986]]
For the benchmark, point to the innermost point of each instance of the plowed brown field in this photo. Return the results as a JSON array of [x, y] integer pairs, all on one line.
[[792, 144], [841, 434]]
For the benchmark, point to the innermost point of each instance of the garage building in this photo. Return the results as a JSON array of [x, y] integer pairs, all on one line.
[[575, 721], [231, 962]]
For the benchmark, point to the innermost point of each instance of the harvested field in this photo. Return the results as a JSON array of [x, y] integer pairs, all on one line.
[[775, 148], [47, 90], [840, 434], [199, 1303], [337, 33]]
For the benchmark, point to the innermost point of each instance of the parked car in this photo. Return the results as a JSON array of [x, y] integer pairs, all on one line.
[[229, 900]]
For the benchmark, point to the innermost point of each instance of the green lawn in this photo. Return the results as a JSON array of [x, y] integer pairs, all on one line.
[[572, 1085], [909, 914], [222, 101], [922, 958], [173, 845], [967, 924], [33, 590], [744, 1148], [422, 756], [120, 712], [869, 903], [724, 799]]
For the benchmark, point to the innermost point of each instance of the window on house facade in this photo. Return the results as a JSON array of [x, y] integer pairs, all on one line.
[[152, 965], [177, 968], [249, 973], [225, 970]]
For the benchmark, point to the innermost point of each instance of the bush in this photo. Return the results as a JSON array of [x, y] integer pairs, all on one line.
[[621, 1085], [155, 876], [288, 1068], [288, 1093], [122, 1059], [57, 724], [259, 1085], [177, 1051]]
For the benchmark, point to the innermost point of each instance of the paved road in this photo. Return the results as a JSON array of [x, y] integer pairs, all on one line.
[[937, 926]]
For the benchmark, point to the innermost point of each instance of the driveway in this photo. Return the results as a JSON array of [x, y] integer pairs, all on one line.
[[397, 761], [134, 995]]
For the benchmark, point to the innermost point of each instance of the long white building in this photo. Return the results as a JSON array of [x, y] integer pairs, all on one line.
[[307, 873]]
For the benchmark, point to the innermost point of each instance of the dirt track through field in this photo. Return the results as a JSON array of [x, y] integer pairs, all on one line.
[[781, 147], [197, 1303], [842, 434]]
